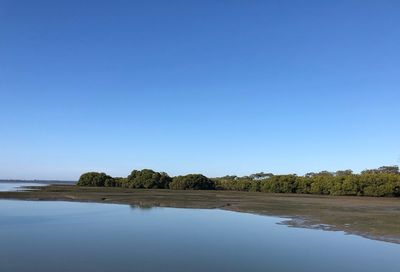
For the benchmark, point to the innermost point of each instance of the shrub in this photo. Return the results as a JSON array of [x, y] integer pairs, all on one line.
[[95, 179], [192, 182], [148, 179]]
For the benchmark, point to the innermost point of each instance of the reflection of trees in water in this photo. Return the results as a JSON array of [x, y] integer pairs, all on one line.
[[144, 206]]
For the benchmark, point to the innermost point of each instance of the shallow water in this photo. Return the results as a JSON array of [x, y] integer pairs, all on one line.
[[67, 236], [17, 186]]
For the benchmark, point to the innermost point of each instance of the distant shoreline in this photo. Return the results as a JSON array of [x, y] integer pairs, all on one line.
[[38, 181], [370, 217]]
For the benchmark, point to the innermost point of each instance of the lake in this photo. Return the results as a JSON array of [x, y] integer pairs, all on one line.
[[71, 236]]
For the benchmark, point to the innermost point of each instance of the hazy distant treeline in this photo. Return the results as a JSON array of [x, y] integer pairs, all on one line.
[[384, 181]]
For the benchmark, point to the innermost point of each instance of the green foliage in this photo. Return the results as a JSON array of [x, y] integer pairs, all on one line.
[[279, 184], [148, 179], [384, 181], [192, 182], [381, 182], [121, 182], [235, 183], [95, 179], [303, 185]]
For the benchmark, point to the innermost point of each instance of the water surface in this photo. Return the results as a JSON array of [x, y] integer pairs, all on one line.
[[68, 236], [9, 186]]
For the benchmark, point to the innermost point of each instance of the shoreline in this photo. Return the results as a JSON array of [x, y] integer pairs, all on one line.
[[369, 217]]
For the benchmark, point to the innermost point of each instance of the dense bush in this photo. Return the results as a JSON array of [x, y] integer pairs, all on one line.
[[192, 182], [384, 181], [279, 184], [234, 183], [148, 179], [96, 179]]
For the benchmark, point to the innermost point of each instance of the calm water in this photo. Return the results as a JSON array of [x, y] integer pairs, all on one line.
[[66, 236], [16, 186]]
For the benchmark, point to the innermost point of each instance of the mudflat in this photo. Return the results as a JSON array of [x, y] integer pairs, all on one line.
[[374, 218]]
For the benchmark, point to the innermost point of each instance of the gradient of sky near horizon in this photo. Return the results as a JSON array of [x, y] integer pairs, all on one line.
[[216, 87]]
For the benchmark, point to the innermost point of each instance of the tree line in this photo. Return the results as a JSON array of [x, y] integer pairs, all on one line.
[[148, 179], [383, 181]]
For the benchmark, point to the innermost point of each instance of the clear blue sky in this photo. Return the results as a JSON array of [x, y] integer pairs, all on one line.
[[217, 87]]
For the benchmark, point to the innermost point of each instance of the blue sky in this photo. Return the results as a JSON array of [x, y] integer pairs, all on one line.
[[216, 87]]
